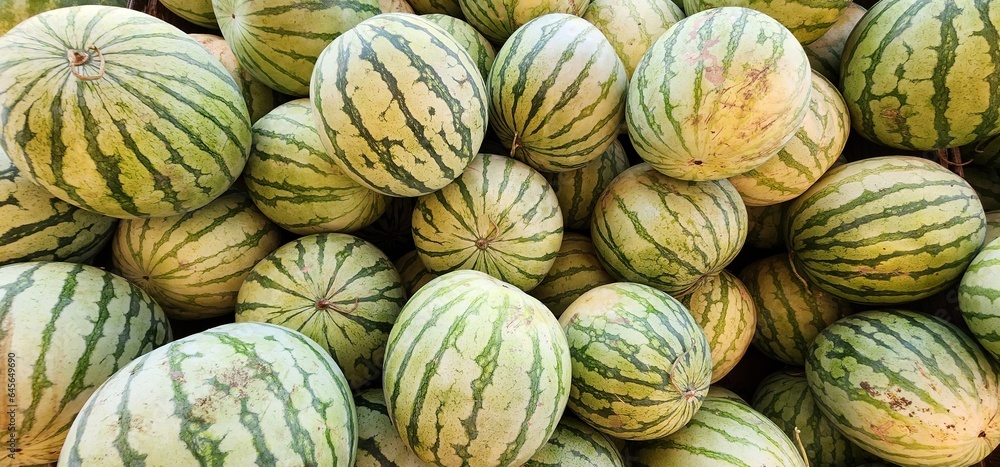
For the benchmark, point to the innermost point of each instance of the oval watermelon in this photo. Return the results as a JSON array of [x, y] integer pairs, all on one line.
[[979, 297], [724, 309]]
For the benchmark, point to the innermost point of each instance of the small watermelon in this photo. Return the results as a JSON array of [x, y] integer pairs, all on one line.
[[724, 309]]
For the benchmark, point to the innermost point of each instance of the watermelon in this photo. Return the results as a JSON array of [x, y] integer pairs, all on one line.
[[557, 131], [986, 181], [41, 227], [479, 48], [724, 309], [399, 146], [576, 444], [12, 12], [924, 74], [236, 394], [764, 226], [806, 19], [908, 387], [725, 431], [632, 26], [297, 184], [718, 94], [445, 7], [279, 42], [992, 226], [825, 53], [578, 190], [335, 288], [889, 229], [477, 372], [979, 297], [641, 363], [198, 12], [667, 233], [412, 272], [193, 264], [500, 217], [790, 310], [575, 271], [379, 445], [805, 158], [65, 329], [260, 99], [498, 19], [139, 133], [392, 232], [395, 6], [784, 398], [985, 153]]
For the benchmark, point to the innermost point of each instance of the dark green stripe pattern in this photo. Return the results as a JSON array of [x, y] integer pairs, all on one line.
[[909, 387], [13, 12], [399, 104], [379, 444], [163, 131], [199, 12], [889, 229], [337, 289], [724, 309], [575, 271], [498, 19], [924, 74], [578, 190], [576, 444], [724, 432], [236, 394], [479, 48], [641, 363], [69, 328], [412, 272], [979, 297], [476, 372]]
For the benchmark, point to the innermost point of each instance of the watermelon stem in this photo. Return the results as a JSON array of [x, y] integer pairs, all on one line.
[[484, 242], [78, 58], [324, 304], [951, 158], [802, 448], [515, 144]]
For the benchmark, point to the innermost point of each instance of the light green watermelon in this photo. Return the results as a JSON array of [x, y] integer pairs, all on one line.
[[979, 297], [479, 48], [576, 444], [808, 20], [825, 53], [641, 363], [632, 26], [139, 132], [575, 271], [65, 329], [724, 309], [578, 190]]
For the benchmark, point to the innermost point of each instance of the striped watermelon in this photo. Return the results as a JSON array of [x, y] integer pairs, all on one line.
[[193, 264], [724, 432], [576, 444], [986, 182], [575, 271], [810, 153], [498, 19], [395, 6], [236, 394], [807, 20], [924, 74], [399, 104], [557, 131], [718, 94], [65, 328], [979, 297], [910, 388], [379, 445], [641, 363], [40, 227], [446, 7], [632, 26], [784, 398], [139, 133], [199, 12], [764, 226], [790, 310], [479, 48], [476, 372], [297, 184], [888, 229], [825, 53], [653, 229], [992, 226], [724, 309], [12, 12], [500, 217], [279, 41], [260, 99], [337, 289], [985, 152], [578, 190], [412, 272]]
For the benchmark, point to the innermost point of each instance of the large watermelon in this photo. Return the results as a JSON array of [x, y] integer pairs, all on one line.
[[808, 20], [64, 329], [236, 394], [500, 217], [137, 132], [632, 26], [724, 309], [564, 130], [477, 372], [337, 289], [924, 74], [718, 94], [888, 229], [641, 363], [979, 297], [279, 41], [399, 104], [910, 388]]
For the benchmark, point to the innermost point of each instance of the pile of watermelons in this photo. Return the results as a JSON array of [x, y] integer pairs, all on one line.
[[500, 232]]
